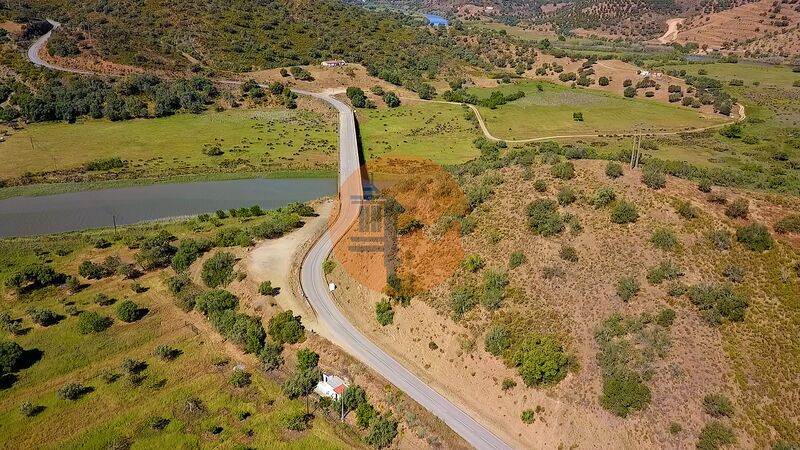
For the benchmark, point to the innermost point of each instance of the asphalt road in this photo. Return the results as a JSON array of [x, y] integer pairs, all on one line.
[[315, 287]]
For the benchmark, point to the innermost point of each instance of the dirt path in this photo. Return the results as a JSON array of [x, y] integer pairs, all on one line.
[[672, 31]]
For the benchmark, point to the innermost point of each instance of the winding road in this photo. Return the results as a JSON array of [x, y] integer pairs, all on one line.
[[315, 287]]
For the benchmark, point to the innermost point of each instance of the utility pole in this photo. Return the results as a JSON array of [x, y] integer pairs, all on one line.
[[114, 220]]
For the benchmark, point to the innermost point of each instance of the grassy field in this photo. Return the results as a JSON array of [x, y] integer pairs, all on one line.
[[120, 409], [260, 139], [549, 112], [765, 74], [438, 132], [517, 32]]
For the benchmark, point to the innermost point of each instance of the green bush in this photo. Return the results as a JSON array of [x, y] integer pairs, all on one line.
[[91, 322], [720, 239], [365, 414], [540, 186], [664, 239], [215, 301], [627, 288], [516, 259], [528, 416], [568, 253], [738, 209], [384, 312], [240, 379], [218, 270], [715, 435], [498, 339], [704, 185], [686, 210], [788, 224], [566, 196], [285, 328], [563, 170], [603, 197], [666, 317], [11, 355], [624, 392], [270, 356], [654, 178], [543, 217], [665, 271], [755, 237], [507, 384], [675, 428], [613, 170], [541, 360], [624, 212], [188, 251], [717, 405], [718, 301], [328, 266], [265, 288], [473, 262], [128, 311], [72, 391], [494, 288], [382, 431]]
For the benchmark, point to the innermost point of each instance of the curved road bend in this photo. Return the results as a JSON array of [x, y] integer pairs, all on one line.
[[315, 287]]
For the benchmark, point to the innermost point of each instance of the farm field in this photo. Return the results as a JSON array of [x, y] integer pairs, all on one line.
[[249, 139], [515, 31], [437, 132], [765, 74], [549, 112]]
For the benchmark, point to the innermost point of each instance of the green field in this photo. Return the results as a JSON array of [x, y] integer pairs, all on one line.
[[550, 113], [438, 132], [765, 74], [517, 32], [255, 140]]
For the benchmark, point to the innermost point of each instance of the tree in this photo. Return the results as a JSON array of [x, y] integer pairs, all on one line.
[[10, 356], [285, 327], [91, 322], [365, 414], [624, 392], [270, 356], [541, 360], [156, 251], [426, 91], [72, 391], [188, 251], [43, 317], [265, 288], [218, 270], [603, 81], [391, 99], [382, 432], [307, 359], [384, 312], [301, 382], [128, 311], [166, 352], [215, 301], [629, 91], [353, 396]]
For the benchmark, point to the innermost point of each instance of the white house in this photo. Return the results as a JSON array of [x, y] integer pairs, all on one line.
[[334, 63], [330, 386]]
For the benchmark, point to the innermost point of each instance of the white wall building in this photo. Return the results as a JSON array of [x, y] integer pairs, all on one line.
[[330, 386]]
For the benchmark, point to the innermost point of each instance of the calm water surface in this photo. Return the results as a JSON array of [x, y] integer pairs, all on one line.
[[23, 216]]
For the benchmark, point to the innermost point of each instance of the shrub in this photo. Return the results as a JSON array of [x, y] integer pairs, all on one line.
[[718, 198], [566, 196], [755, 237], [627, 288], [265, 288], [43, 317], [732, 131], [541, 360], [11, 354], [543, 217], [508, 383], [240, 379], [28, 409], [128, 311], [717, 405], [704, 185], [603, 197], [720, 239], [270, 356], [218, 270], [715, 435], [494, 287], [72, 391], [215, 301], [603, 81], [686, 210], [664, 239], [788, 224], [91, 322], [666, 317], [716, 302], [629, 91], [654, 178], [528, 416], [328, 266], [738, 209], [624, 212], [624, 392], [473, 262], [166, 352], [734, 274], [613, 170], [384, 312], [188, 251], [498, 339], [285, 327], [666, 270], [563, 170], [549, 272], [568, 253], [540, 186], [516, 259], [365, 414], [675, 428]]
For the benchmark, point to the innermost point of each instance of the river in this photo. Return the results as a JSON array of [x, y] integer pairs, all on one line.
[[24, 216]]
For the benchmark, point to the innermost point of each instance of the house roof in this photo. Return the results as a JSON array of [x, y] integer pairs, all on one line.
[[340, 389]]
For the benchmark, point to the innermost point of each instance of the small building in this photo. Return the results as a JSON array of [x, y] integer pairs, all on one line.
[[334, 63], [330, 386], [644, 73]]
